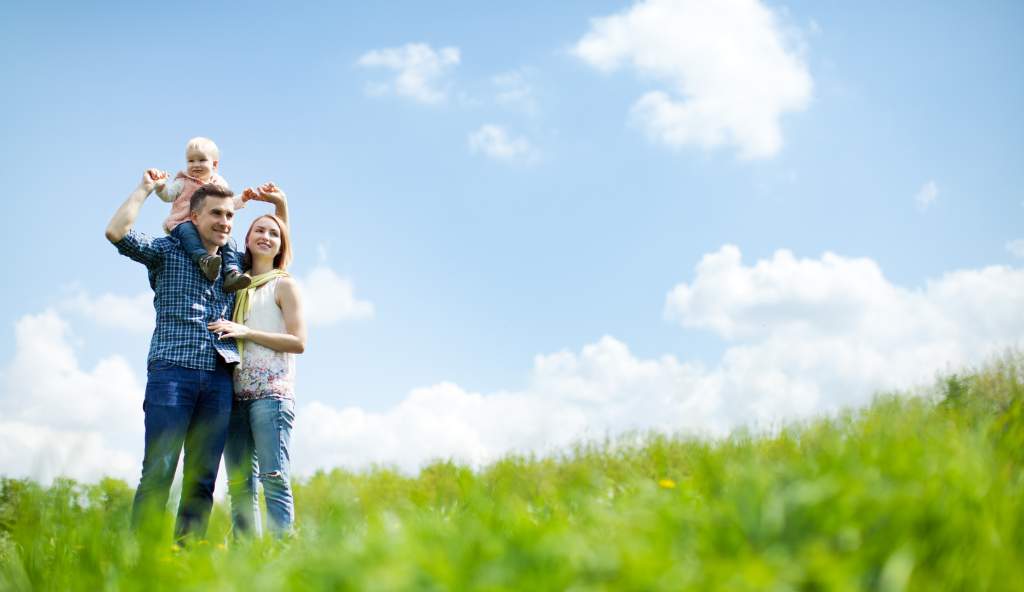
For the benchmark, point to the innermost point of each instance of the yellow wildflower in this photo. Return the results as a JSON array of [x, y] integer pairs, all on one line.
[[667, 484]]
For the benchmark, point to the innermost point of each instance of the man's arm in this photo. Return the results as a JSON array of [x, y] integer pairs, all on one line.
[[124, 217]]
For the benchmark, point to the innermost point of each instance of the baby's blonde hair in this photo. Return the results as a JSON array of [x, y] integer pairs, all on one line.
[[204, 144]]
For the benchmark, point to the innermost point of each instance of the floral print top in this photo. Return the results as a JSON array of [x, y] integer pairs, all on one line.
[[264, 372]]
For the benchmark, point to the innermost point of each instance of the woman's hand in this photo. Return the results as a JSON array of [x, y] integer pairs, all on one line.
[[249, 194], [226, 329], [270, 193]]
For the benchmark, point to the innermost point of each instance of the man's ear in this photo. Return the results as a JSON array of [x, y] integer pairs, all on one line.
[[194, 216]]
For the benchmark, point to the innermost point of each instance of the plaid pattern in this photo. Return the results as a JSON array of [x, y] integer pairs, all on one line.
[[185, 301]]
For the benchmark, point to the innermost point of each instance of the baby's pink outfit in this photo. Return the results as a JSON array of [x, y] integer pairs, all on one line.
[[179, 193]]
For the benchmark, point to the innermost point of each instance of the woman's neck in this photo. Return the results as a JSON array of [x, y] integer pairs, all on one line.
[[261, 265]]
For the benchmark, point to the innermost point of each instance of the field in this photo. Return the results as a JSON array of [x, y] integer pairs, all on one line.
[[922, 492]]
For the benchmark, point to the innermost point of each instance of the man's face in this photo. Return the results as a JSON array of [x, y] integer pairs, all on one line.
[[214, 221]]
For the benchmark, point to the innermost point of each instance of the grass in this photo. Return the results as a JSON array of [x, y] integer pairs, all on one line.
[[910, 493]]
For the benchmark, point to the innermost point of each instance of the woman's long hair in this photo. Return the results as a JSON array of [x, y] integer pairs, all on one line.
[[284, 255]]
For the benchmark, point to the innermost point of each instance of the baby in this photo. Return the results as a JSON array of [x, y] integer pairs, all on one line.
[[202, 158]]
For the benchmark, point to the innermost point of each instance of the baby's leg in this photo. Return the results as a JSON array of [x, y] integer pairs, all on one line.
[[231, 257], [188, 236], [234, 279]]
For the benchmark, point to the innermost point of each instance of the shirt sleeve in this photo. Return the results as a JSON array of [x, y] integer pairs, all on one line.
[[143, 248], [170, 190]]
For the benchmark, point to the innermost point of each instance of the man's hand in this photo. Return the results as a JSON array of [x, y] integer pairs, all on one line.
[[125, 215], [152, 179]]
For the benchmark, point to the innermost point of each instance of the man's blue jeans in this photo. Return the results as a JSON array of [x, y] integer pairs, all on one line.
[[190, 408], [260, 434]]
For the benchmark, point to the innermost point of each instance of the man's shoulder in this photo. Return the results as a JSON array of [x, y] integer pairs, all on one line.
[[135, 239]]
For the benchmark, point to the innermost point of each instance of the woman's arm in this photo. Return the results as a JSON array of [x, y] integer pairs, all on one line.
[[271, 194], [293, 340]]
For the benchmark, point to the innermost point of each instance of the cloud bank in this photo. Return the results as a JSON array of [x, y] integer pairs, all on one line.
[[805, 336]]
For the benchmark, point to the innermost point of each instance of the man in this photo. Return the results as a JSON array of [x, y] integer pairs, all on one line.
[[189, 382]]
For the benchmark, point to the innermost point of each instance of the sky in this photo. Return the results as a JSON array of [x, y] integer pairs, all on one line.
[[521, 226]]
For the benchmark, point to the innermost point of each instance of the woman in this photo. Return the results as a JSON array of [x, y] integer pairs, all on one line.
[[269, 329]]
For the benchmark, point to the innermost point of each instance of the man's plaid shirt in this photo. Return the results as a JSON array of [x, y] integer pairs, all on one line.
[[185, 301]]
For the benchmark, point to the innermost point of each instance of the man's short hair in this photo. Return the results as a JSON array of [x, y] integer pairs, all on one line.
[[208, 190]]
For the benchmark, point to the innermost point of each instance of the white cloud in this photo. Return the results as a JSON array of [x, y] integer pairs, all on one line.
[[513, 89], [807, 336], [603, 390], [729, 72], [420, 71], [834, 329], [60, 419], [1016, 247], [926, 196], [328, 298], [128, 313], [493, 141]]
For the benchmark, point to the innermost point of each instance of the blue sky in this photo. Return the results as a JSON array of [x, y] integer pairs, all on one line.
[[513, 224]]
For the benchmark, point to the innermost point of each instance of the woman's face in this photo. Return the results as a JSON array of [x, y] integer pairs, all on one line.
[[264, 238]]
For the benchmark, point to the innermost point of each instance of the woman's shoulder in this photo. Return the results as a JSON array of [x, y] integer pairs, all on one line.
[[286, 286], [287, 282]]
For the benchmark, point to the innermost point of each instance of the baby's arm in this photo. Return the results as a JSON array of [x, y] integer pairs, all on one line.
[[168, 191]]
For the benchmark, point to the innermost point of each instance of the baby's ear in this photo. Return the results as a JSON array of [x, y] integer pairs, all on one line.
[[215, 163]]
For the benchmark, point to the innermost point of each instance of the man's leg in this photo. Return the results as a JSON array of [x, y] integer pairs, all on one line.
[[204, 444], [239, 460], [170, 394], [272, 421]]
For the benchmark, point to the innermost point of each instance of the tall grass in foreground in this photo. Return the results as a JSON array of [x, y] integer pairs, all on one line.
[[920, 493]]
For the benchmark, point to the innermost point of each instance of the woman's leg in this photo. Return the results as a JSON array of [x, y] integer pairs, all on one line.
[[271, 421], [238, 460]]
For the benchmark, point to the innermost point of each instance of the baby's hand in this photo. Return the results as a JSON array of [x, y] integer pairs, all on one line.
[[154, 178], [271, 193], [248, 194]]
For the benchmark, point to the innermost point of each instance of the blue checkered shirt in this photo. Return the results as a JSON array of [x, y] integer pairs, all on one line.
[[185, 301]]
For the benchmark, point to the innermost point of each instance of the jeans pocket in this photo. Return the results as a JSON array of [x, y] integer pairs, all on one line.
[[168, 384], [159, 366]]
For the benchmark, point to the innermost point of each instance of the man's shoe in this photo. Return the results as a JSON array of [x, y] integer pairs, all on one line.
[[234, 281], [210, 265]]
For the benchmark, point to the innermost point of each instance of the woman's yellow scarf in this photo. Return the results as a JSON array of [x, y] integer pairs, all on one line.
[[243, 301]]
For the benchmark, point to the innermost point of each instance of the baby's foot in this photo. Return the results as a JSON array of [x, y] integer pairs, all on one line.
[[234, 281], [210, 264]]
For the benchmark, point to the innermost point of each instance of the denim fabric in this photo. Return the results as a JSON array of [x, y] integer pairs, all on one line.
[[260, 435], [190, 408], [188, 236]]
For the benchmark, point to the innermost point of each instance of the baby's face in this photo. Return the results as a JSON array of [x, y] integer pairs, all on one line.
[[200, 164]]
